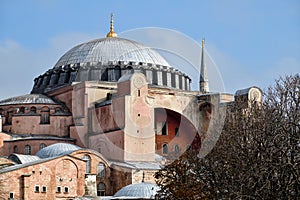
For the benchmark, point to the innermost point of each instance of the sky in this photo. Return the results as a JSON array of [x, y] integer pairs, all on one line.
[[248, 43]]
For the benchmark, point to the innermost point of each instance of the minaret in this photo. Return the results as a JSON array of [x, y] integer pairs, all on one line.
[[111, 33], [203, 74]]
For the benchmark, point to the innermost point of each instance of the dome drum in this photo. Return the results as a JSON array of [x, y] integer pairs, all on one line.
[[65, 75]]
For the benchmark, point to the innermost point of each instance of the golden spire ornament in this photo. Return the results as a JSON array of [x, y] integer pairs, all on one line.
[[111, 33]]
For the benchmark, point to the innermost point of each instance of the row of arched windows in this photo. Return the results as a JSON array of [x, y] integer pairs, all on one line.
[[100, 167], [28, 149], [165, 148]]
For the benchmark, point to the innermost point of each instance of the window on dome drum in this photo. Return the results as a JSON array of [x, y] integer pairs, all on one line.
[[45, 115], [101, 189], [33, 109], [177, 149], [176, 132], [88, 163], [22, 110], [37, 188], [44, 189], [58, 189], [101, 170], [15, 149], [43, 145], [66, 190], [165, 149], [27, 150]]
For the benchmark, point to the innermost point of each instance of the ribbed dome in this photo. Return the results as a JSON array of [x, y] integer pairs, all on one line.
[[28, 99], [111, 49], [137, 191], [56, 150]]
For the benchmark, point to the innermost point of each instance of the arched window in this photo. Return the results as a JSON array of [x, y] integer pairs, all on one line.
[[101, 189], [27, 150], [101, 170], [43, 145], [88, 163], [45, 115], [22, 110], [188, 147], [33, 109], [177, 149], [165, 149], [15, 149]]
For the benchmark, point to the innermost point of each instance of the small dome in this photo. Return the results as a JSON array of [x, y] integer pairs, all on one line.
[[21, 159], [28, 99], [137, 191], [57, 150], [111, 49]]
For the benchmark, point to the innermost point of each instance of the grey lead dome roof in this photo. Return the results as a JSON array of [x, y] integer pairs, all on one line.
[[57, 150], [28, 99], [137, 191], [111, 49]]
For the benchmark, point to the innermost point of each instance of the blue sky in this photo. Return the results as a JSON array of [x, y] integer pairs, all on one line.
[[251, 42]]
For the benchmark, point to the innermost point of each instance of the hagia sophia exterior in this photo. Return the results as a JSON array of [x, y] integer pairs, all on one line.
[[101, 121]]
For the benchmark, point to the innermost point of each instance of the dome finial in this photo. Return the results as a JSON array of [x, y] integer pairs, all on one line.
[[111, 33]]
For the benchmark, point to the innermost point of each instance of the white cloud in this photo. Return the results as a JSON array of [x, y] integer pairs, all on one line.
[[19, 66]]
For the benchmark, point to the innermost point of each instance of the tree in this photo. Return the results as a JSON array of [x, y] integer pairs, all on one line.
[[256, 157]]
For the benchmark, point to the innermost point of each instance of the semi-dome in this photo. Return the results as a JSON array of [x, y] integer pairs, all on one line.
[[141, 190], [57, 150]]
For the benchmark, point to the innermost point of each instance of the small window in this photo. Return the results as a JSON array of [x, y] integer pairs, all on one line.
[[165, 149], [58, 189], [15, 149], [176, 132], [164, 130], [177, 149], [66, 189], [44, 189], [101, 189], [43, 145], [188, 147], [101, 170], [33, 109], [88, 163], [11, 195], [27, 150], [22, 110], [45, 115], [37, 188]]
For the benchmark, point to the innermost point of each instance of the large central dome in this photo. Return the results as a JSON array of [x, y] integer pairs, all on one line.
[[111, 49], [108, 59]]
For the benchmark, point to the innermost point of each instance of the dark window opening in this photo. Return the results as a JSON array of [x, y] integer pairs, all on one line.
[[37, 188], [15, 149], [58, 189], [164, 130], [44, 189], [66, 189], [176, 132], [165, 149]]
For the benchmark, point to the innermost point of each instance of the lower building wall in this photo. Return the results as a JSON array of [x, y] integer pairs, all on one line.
[[42, 181]]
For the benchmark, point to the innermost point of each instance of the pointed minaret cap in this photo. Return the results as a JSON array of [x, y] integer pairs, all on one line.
[[203, 73], [111, 33]]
